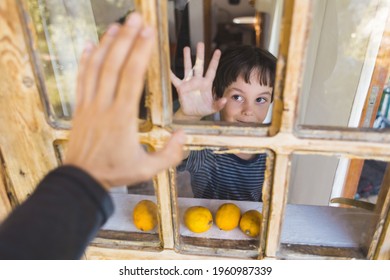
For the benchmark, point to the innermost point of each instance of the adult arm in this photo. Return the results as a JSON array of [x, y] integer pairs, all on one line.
[[58, 220]]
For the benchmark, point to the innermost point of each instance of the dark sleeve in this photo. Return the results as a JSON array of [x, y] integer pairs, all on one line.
[[58, 220]]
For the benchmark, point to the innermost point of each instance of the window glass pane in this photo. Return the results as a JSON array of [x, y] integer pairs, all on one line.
[[136, 217], [135, 221], [232, 189], [224, 25], [344, 43], [332, 206], [60, 31]]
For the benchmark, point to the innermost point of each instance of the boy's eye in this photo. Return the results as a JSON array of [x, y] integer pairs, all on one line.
[[261, 100], [237, 97]]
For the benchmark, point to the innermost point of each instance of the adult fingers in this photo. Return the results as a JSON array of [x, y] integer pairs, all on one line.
[[170, 156], [115, 59], [91, 80], [82, 73], [132, 76], [199, 63]]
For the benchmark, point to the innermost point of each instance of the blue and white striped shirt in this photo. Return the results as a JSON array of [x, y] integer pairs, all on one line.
[[225, 176]]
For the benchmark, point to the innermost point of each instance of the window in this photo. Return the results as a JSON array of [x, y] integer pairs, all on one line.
[[60, 31], [319, 141], [204, 185]]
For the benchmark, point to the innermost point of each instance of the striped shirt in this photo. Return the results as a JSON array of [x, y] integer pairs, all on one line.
[[225, 176]]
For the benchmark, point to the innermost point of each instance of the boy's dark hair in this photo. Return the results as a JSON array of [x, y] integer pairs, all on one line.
[[241, 61]]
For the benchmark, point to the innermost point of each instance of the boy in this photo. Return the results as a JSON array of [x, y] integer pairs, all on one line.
[[242, 91]]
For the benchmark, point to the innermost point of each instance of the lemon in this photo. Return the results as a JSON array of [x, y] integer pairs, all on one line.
[[250, 223], [198, 219], [227, 216], [145, 215]]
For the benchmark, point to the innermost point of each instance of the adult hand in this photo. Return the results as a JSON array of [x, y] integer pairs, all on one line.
[[195, 90], [104, 140]]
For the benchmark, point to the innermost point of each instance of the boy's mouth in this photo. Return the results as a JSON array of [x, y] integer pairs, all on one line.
[[251, 122]]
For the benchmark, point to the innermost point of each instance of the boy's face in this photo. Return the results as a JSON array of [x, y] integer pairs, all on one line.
[[246, 102]]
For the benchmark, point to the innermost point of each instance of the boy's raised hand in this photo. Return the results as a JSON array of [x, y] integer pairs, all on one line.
[[195, 90], [104, 137]]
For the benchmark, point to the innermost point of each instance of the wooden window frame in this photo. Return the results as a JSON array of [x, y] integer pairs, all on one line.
[[281, 136], [285, 138]]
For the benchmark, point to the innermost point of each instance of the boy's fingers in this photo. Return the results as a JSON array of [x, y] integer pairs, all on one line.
[[175, 80], [219, 104], [132, 81], [210, 74], [187, 62], [199, 63]]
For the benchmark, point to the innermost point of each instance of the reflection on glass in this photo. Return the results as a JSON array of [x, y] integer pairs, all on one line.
[[144, 188], [382, 119], [211, 179], [61, 30], [343, 47], [327, 215], [242, 90], [370, 180]]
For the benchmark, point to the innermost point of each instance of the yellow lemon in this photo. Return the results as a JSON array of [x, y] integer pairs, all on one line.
[[250, 223], [227, 216], [145, 215], [198, 219]]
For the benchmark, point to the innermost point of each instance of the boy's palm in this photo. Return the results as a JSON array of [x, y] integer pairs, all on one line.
[[195, 90], [195, 97]]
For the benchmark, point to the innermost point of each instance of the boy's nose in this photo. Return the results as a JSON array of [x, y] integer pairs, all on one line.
[[247, 109]]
